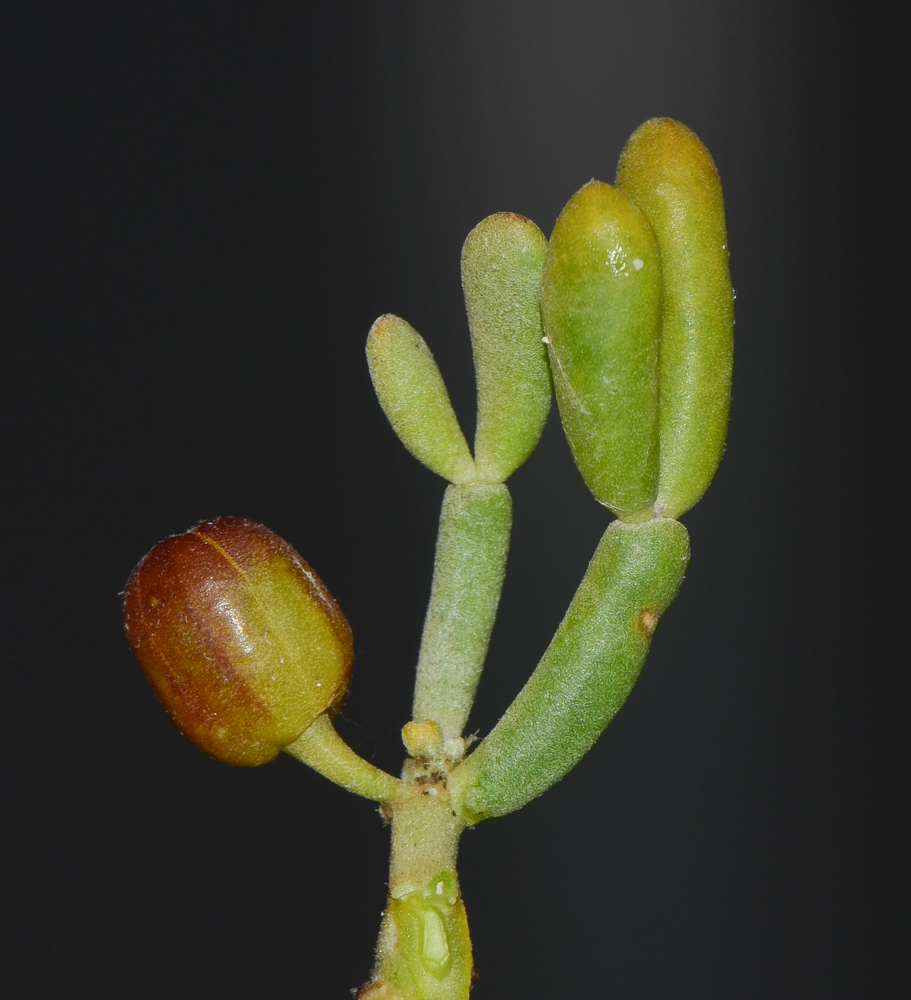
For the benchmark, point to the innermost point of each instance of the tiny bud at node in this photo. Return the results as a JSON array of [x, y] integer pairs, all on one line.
[[422, 739]]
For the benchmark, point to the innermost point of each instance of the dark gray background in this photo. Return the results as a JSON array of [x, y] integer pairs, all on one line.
[[204, 207]]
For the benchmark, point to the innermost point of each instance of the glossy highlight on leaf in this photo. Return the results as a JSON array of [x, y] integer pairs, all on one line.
[[238, 637]]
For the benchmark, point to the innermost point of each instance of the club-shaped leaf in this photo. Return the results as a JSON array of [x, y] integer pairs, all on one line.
[[601, 301], [413, 395], [502, 261], [671, 176], [586, 674]]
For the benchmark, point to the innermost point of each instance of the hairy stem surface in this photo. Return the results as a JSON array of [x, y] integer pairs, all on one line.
[[424, 949], [468, 576]]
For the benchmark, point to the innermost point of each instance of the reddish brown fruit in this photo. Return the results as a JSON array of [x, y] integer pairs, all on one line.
[[238, 637]]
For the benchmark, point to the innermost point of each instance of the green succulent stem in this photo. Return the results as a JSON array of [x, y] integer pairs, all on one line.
[[325, 751], [634, 295], [424, 948], [472, 545]]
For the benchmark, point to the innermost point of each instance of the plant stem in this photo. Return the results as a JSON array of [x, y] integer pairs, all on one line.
[[424, 949], [325, 751], [468, 576], [425, 829]]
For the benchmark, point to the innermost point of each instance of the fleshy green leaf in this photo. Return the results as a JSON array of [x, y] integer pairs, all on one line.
[[671, 176], [586, 674], [413, 395], [502, 261], [601, 301]]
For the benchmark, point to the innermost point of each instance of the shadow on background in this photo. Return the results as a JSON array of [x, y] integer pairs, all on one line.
[[204, 208]]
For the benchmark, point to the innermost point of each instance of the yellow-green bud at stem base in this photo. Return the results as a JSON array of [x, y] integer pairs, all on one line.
[[671, 176], [422, 739], [601, 303], [238, 637]]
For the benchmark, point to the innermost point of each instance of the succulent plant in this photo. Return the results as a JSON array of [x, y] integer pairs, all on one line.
[[628, 313]]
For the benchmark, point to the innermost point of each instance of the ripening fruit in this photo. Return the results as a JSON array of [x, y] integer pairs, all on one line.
[[238, 637]]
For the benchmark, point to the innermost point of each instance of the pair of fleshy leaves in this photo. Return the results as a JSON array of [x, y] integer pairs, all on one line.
[[502, 262], [638, 309]]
